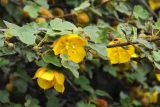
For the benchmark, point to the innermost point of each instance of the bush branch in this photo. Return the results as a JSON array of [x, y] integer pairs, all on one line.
[[130, 43]]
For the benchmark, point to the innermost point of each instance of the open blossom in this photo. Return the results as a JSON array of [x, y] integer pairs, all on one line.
[[118, 55], [50, 78], [72, 45]]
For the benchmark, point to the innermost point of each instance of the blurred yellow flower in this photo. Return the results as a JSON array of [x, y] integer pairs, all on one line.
[[158, 76], [118, 55], [153, 97], [71, 45], [154, 4], [47, 79]]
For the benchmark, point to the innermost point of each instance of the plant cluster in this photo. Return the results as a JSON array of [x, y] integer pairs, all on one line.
[[79, 53]]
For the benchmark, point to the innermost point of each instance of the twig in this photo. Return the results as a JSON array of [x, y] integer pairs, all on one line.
[[41, 42], [130, 43], [40, 29], [110, 46], [70, 83], [66, 15]]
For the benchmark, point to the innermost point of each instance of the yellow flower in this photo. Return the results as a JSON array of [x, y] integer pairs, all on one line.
[[119, 55], [47, 79], [154, 4], [71, 45], [153, 97], [158, 76]]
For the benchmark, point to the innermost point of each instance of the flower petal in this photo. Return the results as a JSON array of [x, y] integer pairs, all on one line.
[[154, 97], [67, 41], [48, 75], [59, 78], [124, 56], [59, 45], [39, 72], [158, 76], [118, 55], [44, 84], [76, 40], [59, 88], [112, 55], [76, 54]]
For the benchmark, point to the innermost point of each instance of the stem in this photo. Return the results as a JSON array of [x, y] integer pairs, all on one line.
[[130, 43], [66, 15], [72, 85], [40, 43], [40, 29]]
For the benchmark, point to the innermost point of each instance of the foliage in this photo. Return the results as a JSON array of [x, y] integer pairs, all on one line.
[[82, 53]]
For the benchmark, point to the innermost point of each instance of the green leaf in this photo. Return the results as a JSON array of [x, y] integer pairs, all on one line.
[[81, 104], [111, 70], [92, 32], [50, 58], [17, 105], [82, 6], [32, 10], [10, 25], [82, 80], [157, 25], [123, 8], [88, 88], [6, 51], [30, 56], [61, 25], [157, 65], [1, 40], [12, 29], [99, 48], [124, 29], [102, 93], [42, 3], [41, 63], [23, 75], [26, 34], [4, 61], [96, 11], [31, 102], [137, 103], [53, 33], [140, 12], [52, 100], [73, 67], [124, 100], [4, 96], [20, 85], [139, 74], [144, 42], [156, 55]]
